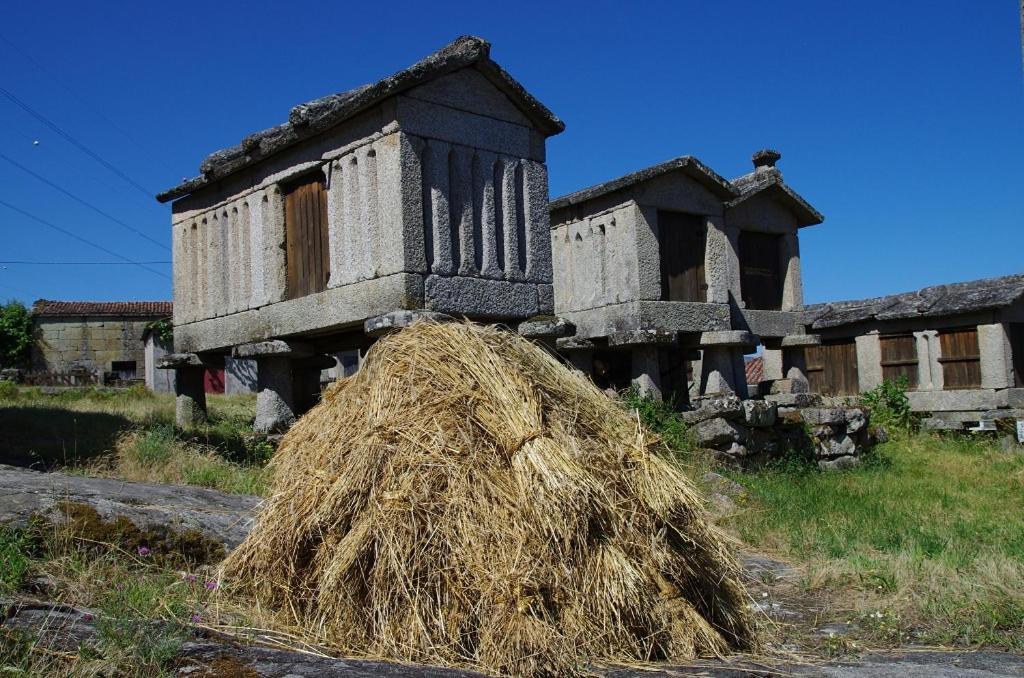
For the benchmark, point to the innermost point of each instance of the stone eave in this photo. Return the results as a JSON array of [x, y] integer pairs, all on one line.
[[774, 188]]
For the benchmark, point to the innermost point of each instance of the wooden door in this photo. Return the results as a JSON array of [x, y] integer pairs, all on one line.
[[760, 270], [899, 358], [832, 368], [305, 219], [960, 358], [681, 240]]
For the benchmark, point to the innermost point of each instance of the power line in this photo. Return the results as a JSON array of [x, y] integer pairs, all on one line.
[[80, 263], [84, 202], [70, 139], [64, 83], [79, 238]]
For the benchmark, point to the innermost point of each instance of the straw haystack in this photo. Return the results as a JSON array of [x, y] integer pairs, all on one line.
[[467, 500]]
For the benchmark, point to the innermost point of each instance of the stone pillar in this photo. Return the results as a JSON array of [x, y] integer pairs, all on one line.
[[718, 256], [646, 376], [996, 358], [275, 397], [869, 361], [189, 396], [722, 371], [795, 353], [924, 363], [772, 360], [733, 235], [934, 366], [792, 284]]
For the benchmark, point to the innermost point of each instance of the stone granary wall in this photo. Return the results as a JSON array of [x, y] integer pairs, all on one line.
[[77, 342], [672, 273], [424, 192], [960, 347]]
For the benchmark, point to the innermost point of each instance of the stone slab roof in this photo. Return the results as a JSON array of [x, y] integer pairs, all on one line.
[[940, 300], [769, 182], [313, 117], [148, 309], [688, 164]]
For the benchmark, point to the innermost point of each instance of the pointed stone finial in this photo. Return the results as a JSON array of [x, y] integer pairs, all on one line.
[[765, 159]]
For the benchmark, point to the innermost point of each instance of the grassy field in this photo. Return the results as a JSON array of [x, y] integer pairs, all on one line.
[[923, 543]]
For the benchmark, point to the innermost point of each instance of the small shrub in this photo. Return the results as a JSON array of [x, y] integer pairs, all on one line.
[[15, 334], [155, 446], [890, 406], [8, 390], [661, 417]]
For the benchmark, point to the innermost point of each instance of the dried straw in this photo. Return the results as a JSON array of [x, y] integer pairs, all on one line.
[[467, 500]]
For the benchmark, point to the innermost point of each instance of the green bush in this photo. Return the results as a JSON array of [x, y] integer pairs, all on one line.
[[15, 334], [8, 390], [890, 406]]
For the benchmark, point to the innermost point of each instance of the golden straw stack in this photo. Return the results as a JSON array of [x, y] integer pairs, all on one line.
[[467, 500]]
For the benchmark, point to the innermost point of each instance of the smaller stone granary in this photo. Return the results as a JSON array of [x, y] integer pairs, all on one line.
[[671, 274], [91, 342], [959, 346], [424, 192]]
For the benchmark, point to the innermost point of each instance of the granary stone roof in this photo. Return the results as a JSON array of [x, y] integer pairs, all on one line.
[[940, 300], [688, 164], [47, 307], [313, 117], [767, 180]]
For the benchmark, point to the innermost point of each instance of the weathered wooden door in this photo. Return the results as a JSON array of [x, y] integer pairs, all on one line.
[[306, 248], [681, 239], [960, 358], [760, 270], [832, 368], [899, 358]]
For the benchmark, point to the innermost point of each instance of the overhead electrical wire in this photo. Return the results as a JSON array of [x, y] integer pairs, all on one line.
[[72, 234], [83, 202], [79, 263], [73, 141]]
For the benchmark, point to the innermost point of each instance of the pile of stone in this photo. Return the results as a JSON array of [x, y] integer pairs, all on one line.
[[750, 433]]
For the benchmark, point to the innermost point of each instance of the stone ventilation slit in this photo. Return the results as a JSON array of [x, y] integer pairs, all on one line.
[[499, 214], [426, 166], [520, 217], [455, 210], [476, 185]]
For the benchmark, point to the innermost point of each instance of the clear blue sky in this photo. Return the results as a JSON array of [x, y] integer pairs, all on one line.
[[902, 122]]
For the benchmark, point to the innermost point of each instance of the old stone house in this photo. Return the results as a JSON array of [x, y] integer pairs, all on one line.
[[89, 342], [671, 274], [960, 347], [423, 192]]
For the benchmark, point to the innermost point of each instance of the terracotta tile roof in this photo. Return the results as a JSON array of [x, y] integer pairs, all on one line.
[[111, 308], [755, 370]]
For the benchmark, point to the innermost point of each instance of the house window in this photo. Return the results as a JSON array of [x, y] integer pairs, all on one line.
[[681, 243], [123, 369], [306, 249], [760, 270], [899, 358], [960, 358], [832, 367]]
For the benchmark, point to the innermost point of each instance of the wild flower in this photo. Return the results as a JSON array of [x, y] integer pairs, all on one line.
[[144, 551], [196, 618], [211, 585]]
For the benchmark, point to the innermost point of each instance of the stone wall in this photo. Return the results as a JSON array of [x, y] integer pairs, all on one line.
[[65, 344]]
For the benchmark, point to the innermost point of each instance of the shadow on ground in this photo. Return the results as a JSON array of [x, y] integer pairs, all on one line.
[[52, 437]]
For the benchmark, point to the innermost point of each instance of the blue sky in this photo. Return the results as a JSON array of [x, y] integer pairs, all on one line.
[[902, 122]]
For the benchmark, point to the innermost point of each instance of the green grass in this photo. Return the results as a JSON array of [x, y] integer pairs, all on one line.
[[930, 532], [14, 559]]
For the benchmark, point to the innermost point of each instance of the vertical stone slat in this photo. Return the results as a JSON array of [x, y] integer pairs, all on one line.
[[511, 213], [275, 272], [230, 260], [535, 192], [214, 275], [367, 170], [245, 256], [354, 243], [437, 207], [201, 247], [461, 192], [489, 228], [256, 225], [336, 235]]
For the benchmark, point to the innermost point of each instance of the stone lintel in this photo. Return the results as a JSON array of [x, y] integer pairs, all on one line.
[[545, 327], [395, 320], [801, 340], [574, 344], [276, 347], [173, 361], [728, 338], [643, 338]]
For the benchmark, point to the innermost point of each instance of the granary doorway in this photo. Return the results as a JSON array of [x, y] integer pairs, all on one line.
[[306, 248], [760, 270], [681, 240]]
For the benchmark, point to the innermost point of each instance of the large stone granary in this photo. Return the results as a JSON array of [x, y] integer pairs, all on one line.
[[671, 274], [424, 192]]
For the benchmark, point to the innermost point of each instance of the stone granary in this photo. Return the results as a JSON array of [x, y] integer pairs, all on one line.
[[90, 342], [423, 192], [960, 347], [672, 273]]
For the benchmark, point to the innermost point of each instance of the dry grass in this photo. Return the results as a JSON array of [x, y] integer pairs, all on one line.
[[466, 500]]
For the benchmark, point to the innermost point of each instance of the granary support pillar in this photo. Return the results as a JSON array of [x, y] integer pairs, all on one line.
[[189, 389], [722, 371], [995, 356], [927, 374], [869, 360], [645, 365], [275, 387], [794, 350]]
